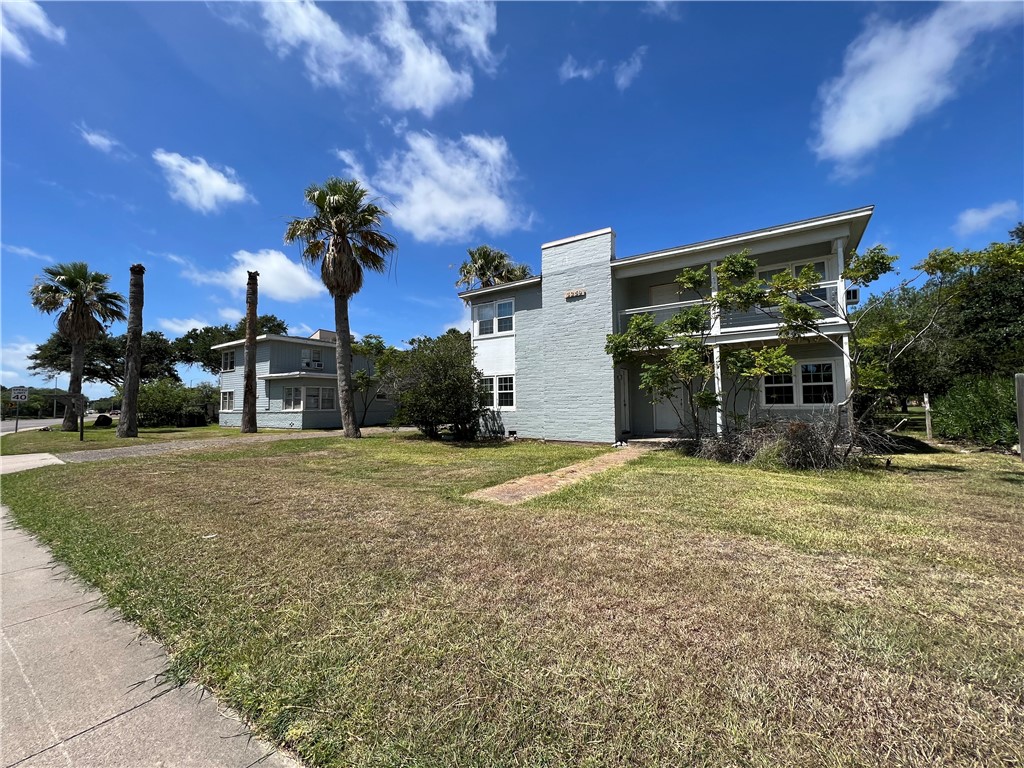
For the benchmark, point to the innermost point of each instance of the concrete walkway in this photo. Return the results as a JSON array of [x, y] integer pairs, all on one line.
[[80, 687], [21, 462], [531, 486]]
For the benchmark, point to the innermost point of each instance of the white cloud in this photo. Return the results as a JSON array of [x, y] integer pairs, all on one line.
[[896, 73], [668, 9], [14, 363], [419, 76], [300, 329], [328, 52], [470, 25], [19, 18], [981, 219], [199, 185], [230, 314], [446, 190], [102, 141], [571, 70], [27, 252], [409, 72], [179, 326], [626, 71], [280, 278]]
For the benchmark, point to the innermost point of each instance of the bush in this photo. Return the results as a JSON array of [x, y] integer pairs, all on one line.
[[169, 403], [438, 386], [774, 444], [982, 410]]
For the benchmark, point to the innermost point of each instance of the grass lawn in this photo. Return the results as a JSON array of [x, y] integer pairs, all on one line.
[[670, 612], [31, 440]]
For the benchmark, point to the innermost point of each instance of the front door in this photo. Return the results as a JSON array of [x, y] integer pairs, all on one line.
[[622, 396], [665, 417]]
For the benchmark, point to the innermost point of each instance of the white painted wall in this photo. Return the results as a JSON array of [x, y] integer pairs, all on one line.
[[498, 355]]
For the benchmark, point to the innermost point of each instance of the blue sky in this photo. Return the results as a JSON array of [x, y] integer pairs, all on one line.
[[182, 136]]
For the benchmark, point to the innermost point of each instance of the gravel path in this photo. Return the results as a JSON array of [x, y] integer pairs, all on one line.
[[180, 446], [530, 487]]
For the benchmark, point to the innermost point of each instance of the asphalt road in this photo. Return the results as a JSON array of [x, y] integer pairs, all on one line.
[[7, 425]]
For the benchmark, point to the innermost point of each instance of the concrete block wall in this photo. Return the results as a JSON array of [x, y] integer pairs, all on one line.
[[579, 381]]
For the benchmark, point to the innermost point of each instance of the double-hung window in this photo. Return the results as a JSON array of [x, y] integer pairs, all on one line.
[[498, 391], [292, 400], [808, 384], [494, 317], [227, 400], [312, 358], [227, 360]]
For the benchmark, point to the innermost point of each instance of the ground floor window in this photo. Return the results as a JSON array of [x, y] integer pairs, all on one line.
[[292, 399], [498, 391], [319, 398], [227, 401], [810, 383]]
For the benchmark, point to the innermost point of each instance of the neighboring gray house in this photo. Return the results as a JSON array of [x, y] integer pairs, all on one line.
[[296, 384], [540, 342]]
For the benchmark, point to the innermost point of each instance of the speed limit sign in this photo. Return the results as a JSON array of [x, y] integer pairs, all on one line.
[[19, 394]]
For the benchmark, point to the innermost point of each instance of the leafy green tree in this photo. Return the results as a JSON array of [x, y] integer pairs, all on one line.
[[487, 266], [344, 237], [196, 346], [379, 372], [438, 385], [105, 357], [84, 305]]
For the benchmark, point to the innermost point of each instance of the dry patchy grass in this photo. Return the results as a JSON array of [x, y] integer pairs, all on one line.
[[671, 612], [96, 438]]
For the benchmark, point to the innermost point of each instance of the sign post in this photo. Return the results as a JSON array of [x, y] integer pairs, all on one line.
[[1019, 381], [19, 395]]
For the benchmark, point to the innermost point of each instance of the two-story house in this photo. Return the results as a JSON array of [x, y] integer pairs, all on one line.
[[540, 342], [296, 384]]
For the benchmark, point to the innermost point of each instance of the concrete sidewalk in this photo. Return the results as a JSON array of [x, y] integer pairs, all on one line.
[[21, 462], [80, 687]]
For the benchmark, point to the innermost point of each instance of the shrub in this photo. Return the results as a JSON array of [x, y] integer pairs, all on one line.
[[773, 444], [438, 386], [169, 403], [980, 409]]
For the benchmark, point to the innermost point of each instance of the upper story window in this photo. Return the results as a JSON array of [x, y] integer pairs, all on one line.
[[494, 317], [227, 360], [312, 358], [795, 268]]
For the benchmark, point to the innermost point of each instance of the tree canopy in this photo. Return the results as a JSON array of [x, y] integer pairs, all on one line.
[[104, 358], [195, 347], [487, 266]]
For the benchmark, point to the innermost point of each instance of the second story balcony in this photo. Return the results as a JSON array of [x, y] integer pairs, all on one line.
[[824, 297]]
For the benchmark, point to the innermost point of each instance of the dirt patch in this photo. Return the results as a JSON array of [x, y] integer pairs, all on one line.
[[530, 487]]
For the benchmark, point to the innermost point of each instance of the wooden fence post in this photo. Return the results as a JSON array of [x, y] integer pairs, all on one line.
[[927, 416], [1019, 379]]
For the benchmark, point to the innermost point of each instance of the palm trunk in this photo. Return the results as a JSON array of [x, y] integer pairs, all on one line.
[[343, 352], [128, 424], [249, 391], [70, 423]]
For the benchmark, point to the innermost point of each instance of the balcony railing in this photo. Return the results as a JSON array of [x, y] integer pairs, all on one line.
[[824, 297]]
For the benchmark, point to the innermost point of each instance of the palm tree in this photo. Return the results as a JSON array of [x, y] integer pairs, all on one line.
[[249, 387], [128, 422], [85, 305], [487, 266], [343, 235]]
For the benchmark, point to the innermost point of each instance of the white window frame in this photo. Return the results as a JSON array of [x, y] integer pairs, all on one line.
[[495, 319], [285, 399], [227, 395], [495, 399], [798, 383], [225, 355], [319, 399]]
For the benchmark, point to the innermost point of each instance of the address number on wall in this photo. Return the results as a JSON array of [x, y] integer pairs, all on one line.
[[576, 293]]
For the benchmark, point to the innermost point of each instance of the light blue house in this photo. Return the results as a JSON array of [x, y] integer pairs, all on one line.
[[540, 342], [296, 384]]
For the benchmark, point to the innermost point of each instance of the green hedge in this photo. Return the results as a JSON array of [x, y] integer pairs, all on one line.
[[982, 410]]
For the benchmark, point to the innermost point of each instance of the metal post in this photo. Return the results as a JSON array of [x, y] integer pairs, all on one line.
[[17, 414], [927, 416], [1019, 380]]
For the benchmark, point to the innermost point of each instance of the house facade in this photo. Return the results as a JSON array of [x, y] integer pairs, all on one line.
[[296, 384], [540, 342]]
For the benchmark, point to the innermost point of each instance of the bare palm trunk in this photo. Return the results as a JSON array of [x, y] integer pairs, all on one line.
[[128, 424], [343, 352], [249, 391], [70, 423]]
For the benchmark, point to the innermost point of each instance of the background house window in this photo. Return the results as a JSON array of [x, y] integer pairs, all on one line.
[[506, 392], [227, 360], [312, 358], [227, 401], [778, 389], [816, 385], [312, 398], [292, 400], [485, 319], [326, 398]]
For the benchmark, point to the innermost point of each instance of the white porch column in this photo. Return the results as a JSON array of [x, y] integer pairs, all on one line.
[[847, 367], [838, 246], [716, 316], [719, 412]]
